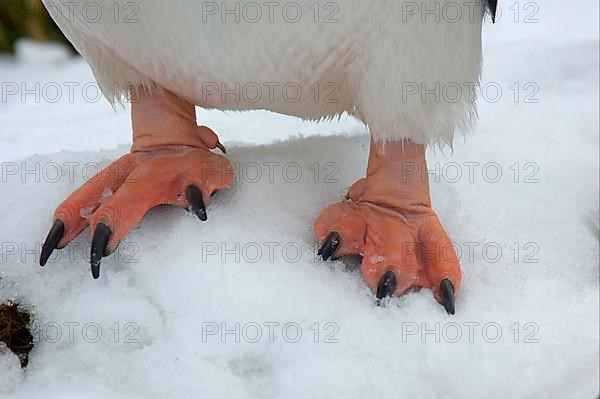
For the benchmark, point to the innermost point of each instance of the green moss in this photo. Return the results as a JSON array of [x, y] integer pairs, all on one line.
[[26, 19]]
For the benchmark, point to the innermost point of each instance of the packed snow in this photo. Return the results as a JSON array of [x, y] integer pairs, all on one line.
[[241, 307]]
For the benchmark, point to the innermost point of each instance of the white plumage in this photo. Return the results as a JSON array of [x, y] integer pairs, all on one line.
[[406, 69]]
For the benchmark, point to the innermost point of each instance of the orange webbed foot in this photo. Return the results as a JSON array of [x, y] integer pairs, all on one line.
[[171, 163], [387, 219]]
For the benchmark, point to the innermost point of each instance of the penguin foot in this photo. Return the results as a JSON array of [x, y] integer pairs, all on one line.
[[387, 219], [171, 162]]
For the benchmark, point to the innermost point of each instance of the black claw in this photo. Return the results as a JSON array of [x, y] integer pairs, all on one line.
[[221, 147], [330, 245], [52, 240], [99, 241], [196, 204], [493, 5], [386, 286], [447, 295]]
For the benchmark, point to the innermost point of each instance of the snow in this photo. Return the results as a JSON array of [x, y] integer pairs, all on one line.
[[169, 301]]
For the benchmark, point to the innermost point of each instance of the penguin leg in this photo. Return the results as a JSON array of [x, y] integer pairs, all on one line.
[[170, 162], [387, 218]]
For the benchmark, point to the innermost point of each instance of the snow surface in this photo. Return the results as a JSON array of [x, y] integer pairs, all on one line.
[[175, 280]]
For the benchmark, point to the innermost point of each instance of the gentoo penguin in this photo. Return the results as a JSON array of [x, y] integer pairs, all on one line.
[[389, 63]]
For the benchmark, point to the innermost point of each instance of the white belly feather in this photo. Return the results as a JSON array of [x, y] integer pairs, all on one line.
[[375, 60]]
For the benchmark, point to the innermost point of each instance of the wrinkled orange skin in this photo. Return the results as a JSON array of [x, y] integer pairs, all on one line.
[[387, 218], [169, 152]]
